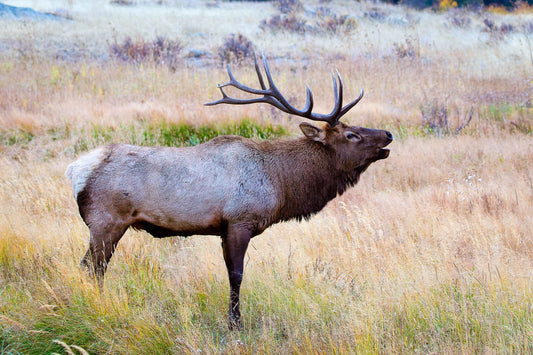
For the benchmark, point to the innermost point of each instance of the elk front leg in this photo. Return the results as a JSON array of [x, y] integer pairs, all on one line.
[[234, 245]]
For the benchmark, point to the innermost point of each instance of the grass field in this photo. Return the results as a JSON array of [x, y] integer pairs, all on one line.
[[432, 252]]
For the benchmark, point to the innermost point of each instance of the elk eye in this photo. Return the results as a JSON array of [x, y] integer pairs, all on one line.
[[353, 136]]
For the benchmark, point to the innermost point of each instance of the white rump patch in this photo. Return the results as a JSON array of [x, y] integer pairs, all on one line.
[[79, 171]]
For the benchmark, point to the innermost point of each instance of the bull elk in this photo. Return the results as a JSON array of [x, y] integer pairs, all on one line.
[[230, 186]]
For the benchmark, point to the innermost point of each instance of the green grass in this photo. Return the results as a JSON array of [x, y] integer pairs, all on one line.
[[139, 312], [175, 134], [144, 133], [18, 137], [508, 115], [463, 319]]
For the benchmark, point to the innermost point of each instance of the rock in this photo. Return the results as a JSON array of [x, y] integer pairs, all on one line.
[[196, 53], [24, 12]]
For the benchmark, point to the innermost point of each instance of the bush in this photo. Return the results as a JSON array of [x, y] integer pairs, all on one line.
[[162, 51], [326, 22], [122, 2], [236, 48], [435, 119], [337, 23], [405, 50], [288, 6], [376, 14], [289, 23], [527, 27], [497, 32], [445, 5], [459, 18], [417, 4], [492, 5], [522, 7]]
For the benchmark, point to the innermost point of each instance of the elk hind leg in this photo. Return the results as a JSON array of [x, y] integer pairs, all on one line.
[[102, 245]]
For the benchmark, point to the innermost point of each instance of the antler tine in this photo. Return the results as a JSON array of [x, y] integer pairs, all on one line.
[[230, 100], [259, 75], [333, 117], [233, 82], [341, 88], [308, 102], [230, 74], [274, 91], [351, 104]]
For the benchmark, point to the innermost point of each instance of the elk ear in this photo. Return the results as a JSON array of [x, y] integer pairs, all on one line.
[[312, 132]]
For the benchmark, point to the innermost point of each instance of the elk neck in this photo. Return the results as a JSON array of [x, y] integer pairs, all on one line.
[[308, 176]]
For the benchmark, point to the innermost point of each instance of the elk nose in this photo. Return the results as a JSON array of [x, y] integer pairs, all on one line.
[[389, 135]]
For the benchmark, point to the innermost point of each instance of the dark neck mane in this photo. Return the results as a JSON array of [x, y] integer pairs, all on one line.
[[308, 177]]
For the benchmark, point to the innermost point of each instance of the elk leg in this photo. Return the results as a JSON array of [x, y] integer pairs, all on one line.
[[234, 245], [102, 245]]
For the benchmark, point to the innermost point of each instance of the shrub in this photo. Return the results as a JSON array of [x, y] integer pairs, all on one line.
[[522, 7], [236, 48], [323, 11], [459, 19], [506, 28], [122, 2], [376, 14], [326, 22], [489, 25], [289, 23], [497, 32], [435, 118], [445, 5], [166, 52], [417, 4], [288, 6], [497, 9], [527, 27], [405, 50], [523, 126], [162, 51], [337, 23]]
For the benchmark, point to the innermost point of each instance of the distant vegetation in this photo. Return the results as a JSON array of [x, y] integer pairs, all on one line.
[[509, 5], [162, 51]]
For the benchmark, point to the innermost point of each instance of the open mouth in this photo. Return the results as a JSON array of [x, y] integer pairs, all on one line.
[[383, 153]]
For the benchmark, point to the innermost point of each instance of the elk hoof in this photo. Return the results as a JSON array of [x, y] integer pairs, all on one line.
[[87, 268], [234, 324]]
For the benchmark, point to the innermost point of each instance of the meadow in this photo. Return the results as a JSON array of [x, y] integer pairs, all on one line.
[[432, 252]]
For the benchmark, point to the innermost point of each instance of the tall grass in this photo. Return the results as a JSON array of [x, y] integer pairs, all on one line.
[[405, 262], [430, 253]]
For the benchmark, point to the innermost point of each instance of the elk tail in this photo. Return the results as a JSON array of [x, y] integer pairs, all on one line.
[[80, 170]]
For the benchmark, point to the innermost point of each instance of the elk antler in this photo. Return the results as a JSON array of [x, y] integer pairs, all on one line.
[[274, 97]]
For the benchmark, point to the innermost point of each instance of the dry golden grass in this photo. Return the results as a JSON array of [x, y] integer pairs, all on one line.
[[432, 252]]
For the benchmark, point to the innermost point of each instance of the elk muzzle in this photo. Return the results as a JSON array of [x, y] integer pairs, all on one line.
[[384, 153]]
